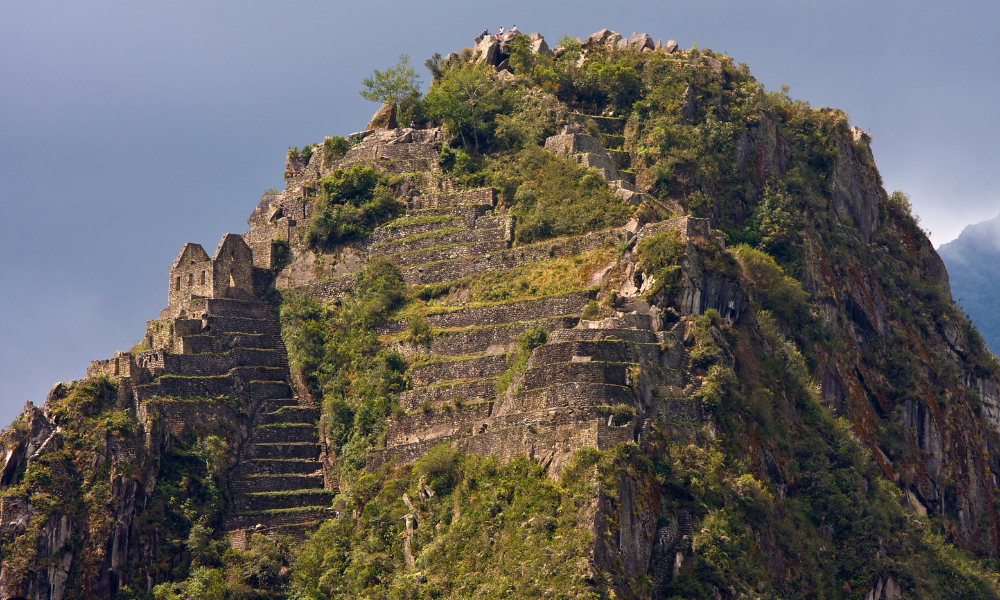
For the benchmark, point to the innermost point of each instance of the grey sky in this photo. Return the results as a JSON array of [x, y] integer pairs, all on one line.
[[129, 128]]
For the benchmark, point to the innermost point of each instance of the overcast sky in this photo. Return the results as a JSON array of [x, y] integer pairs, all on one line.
[[129, 128]]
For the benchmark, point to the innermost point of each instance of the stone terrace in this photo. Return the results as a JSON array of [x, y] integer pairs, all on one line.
[[594, 382], [234, 353]]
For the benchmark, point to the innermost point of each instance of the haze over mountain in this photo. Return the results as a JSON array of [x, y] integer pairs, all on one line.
[[973, 261]]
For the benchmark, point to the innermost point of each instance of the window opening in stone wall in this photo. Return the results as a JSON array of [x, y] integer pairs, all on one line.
[[202, 282], [177, 284], [232, 282], [190, 279]]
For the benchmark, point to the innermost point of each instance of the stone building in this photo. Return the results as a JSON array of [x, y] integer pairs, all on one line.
[[195, 276]]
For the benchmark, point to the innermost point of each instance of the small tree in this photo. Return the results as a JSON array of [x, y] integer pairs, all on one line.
[[392, 85]]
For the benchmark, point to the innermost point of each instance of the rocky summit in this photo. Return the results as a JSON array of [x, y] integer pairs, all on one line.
[[607, 319]]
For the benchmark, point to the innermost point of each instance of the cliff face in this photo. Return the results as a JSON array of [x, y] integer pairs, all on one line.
[[628, 325]]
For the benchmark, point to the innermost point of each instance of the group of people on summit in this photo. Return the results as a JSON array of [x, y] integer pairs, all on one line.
[[511, 32]]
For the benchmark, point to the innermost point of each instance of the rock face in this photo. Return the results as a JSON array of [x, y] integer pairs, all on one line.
[[384, 117], [856, 190], [488, 51], [538, 45], [632, 356]]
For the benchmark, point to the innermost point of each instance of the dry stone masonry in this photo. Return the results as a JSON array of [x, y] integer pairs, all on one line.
[[595, 383]]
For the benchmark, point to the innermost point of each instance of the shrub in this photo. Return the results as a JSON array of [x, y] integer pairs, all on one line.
[[418, 332], [534, 337], [351, 205], [770, 287], [659, 255], [334, 148], [557, 197]]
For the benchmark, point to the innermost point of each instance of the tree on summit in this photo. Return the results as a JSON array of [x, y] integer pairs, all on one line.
[[392, 85]]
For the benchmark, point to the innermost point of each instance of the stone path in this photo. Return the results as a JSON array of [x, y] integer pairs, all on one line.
[[278, 485]]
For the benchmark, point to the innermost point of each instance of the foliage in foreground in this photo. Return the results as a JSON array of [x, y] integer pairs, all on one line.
[[482, 529]]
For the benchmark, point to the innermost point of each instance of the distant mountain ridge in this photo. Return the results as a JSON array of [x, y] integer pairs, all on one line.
[[973, 261]]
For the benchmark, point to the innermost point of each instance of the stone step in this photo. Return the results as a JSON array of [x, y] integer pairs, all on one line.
[[277, 466], [571, 394], [394, 231], [270, 390], [467, 391], [295, 533], [276, 518], [612, 351], [504, 260], [209, 343], [299, 450], [470, 212], [484, 196], [271, 500], [476, 367], [218, 325], [272, 404], [490, 338], [277, 483], [221, 363], [452, 252], [256, 373], [230, 307], [502, 313], [621, 159], [637, 336], [284, 433], [236, 382], [442, 422], [612, 141], [291, 414], [585, 372], [612, 125], [470, 236], [404, 453]]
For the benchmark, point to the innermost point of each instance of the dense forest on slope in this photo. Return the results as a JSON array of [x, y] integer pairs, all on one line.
[[847, 411]]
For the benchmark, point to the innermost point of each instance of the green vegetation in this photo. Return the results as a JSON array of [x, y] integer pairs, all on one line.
[[259, 573], [517, 361], [791, 493], [392, 85], [556, 197], [489, 530], [336, 353], [334, 148], [659, 256], [351, 204], [77, 478]]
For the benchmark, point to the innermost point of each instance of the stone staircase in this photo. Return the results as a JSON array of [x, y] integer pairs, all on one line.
[[607, 154], [277, 486], [593, 384]]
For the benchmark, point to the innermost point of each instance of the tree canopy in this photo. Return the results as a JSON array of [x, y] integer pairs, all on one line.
[[393, 84]]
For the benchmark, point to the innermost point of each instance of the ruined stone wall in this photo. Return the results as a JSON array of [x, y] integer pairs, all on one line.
[[502, 313], [484, 366], [232, 268], [444, 421], [471, 391]]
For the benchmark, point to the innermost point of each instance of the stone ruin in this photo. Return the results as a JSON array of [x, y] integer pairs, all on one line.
[[594, 383]]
